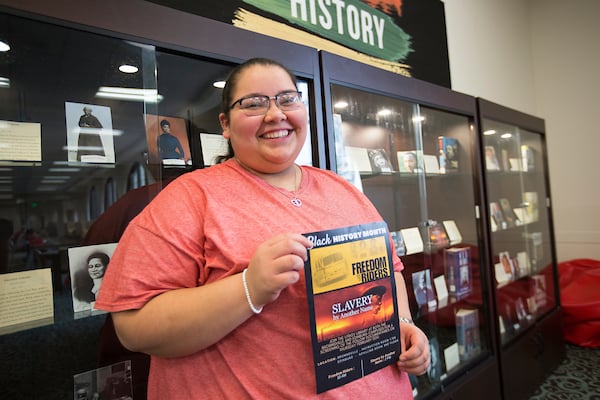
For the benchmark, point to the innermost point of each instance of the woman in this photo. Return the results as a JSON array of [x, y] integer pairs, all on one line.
[[88, 285], [218, 245]]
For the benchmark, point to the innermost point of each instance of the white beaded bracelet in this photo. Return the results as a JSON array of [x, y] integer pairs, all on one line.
[[245, 283]]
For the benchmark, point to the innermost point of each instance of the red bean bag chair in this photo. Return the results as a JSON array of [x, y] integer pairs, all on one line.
[[580, 297]]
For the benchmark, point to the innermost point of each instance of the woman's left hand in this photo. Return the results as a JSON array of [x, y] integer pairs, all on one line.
[[415, 357]]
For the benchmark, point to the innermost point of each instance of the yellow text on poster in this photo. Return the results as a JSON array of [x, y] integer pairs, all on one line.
[[347, 264]]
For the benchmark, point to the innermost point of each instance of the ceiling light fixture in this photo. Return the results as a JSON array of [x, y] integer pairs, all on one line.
[[130, 94], [490, 132], [219, 84], [4, 82], [128, 69], [341, 104], [4, 46]]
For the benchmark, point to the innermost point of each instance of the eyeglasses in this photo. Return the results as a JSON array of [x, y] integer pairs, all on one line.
[[259, 104]]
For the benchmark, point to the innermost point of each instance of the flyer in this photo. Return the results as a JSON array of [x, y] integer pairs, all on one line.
[[352, 303]]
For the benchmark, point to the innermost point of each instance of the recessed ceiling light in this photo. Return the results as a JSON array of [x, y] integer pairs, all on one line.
[[132, 94], [489, 132], [340, 104], [219, 84], [4, 46], [128, 69]]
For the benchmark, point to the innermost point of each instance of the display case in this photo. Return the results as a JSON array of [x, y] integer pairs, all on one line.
[[411, 147], [522, 252], [60, 86]]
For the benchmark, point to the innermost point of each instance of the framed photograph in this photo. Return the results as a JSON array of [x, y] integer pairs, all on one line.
[[168, 142], [87, 266], [89, 133], [110, 382], [423, 289]]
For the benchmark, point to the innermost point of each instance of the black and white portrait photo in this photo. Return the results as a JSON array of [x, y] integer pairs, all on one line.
[[87, 265], [89, 133]]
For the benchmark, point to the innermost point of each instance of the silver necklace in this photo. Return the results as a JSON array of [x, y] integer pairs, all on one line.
[[294, 200]]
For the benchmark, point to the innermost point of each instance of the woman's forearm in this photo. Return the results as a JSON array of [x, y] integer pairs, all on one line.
[[183, 321]]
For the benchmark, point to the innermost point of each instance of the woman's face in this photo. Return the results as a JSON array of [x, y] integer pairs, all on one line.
[[96, 268], [271, 142]]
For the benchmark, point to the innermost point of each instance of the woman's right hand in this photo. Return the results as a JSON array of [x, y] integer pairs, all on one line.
[[275, 265]]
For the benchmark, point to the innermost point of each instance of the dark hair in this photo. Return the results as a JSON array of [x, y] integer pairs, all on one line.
[[102, 256], [231, 83], [164, 122]]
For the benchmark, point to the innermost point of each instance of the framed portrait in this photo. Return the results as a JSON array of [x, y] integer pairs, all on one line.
[[90, 135], [87, 266], [168, 142]]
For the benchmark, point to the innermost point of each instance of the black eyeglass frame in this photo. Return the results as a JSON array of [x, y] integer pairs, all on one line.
[[264, 96]]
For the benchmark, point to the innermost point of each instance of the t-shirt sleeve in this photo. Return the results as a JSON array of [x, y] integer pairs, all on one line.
[[161, 250]]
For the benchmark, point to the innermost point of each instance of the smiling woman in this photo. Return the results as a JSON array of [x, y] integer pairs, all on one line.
[[232, 229]]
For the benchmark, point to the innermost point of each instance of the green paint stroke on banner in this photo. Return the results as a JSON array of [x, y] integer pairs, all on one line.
[[347, 22]]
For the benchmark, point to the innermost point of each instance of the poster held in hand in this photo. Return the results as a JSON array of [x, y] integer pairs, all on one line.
[[352, 303]]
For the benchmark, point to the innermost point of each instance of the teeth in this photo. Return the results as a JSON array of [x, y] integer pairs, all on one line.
[[275, 135]]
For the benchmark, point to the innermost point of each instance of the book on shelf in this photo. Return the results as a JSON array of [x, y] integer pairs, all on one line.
[[530, 207], [507, 265], [539, 294], [509, 215], [497, 217], [448, 154], [534, 242], [457, 268], [398, 243], [358, 157], [505, 163], [431, 164], [410, 162], [423, 290], [491, 161], [412, 240], [435, 236], [527, 158], [439, 282], [523, 263], [452, 231], [380, 161], [467, 333]]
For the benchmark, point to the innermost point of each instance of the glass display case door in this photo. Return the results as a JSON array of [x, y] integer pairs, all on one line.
[[417, 165], [519, 219]]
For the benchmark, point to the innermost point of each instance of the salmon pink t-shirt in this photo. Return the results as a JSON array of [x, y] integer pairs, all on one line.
[[205, 226]]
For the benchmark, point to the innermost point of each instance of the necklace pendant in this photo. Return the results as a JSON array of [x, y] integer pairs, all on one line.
[[296, 202]]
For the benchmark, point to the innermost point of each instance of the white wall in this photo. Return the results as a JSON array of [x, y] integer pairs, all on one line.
[[541, 57]]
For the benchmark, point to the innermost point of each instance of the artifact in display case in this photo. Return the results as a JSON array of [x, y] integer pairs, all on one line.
[[457, 266], [467, 333], [448, 147]]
